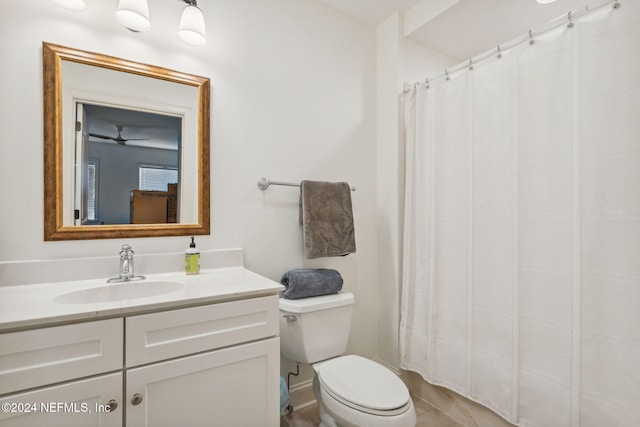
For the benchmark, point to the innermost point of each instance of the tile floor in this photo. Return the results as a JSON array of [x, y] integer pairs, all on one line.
[[428, 416]]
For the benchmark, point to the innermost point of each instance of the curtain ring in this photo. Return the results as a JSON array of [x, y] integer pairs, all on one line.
[[446, 74], [531, 40], [471, 65], [570, 24], [426, 83], [499, 52], [616, 4]]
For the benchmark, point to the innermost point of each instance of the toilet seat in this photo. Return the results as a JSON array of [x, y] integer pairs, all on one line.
[[363, 385]]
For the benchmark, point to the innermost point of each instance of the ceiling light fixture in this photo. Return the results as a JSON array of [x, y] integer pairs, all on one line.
[[134, 15], [545, 1], [192, 29]]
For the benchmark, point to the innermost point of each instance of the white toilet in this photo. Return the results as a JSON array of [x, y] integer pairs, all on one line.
[[351, 391]]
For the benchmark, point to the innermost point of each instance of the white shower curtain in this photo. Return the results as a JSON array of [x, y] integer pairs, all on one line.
[[521, 275]]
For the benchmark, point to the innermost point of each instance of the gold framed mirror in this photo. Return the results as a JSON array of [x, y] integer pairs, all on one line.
[[93, 100]]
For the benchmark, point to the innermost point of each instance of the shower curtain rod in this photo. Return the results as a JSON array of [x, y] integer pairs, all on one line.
[[529, 37], [264, 183]]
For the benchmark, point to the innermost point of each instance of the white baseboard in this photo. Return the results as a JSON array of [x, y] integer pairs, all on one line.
[[301, 395]]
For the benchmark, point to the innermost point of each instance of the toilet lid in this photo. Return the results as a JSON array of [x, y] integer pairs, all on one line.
[[363, 383]]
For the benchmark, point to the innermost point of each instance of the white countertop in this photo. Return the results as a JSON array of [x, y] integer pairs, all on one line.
[[27, 306]]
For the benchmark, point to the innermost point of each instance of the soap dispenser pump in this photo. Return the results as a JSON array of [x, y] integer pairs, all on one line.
[[192, 258]]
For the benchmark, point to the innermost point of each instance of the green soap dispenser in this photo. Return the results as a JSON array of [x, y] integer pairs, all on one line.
[[192, 258]]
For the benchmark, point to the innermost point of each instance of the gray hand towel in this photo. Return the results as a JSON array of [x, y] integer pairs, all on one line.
[[327, 219], [310, 282]]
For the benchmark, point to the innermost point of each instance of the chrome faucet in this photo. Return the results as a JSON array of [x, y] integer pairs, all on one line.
[[126, 266]]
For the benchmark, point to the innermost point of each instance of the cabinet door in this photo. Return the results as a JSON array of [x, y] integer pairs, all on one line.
[[236, 386], [175, 333], [81, 403], [40, 357]]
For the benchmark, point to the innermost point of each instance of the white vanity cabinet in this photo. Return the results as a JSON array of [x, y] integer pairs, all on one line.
[[209, 365], [230, 387], [204, 366], [59, 376]]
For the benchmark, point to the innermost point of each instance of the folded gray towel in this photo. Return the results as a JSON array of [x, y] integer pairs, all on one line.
[[327, 219], [311, 282]]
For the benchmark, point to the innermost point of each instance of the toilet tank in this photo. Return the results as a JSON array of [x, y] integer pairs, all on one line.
[[316, 328]]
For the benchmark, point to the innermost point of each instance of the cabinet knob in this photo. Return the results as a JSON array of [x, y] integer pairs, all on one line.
[[136, 399], [112, 405]]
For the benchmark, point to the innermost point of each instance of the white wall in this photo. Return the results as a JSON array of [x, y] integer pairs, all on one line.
[[293, 97], [389, 88], [418, 62], [399, 61]]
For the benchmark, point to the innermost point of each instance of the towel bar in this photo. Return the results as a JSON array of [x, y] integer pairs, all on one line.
[[264, 183]]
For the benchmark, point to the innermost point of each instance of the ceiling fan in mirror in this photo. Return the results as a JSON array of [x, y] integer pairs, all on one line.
[[119, 139]]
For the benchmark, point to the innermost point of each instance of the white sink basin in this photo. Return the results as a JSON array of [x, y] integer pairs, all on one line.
[[119, 292]]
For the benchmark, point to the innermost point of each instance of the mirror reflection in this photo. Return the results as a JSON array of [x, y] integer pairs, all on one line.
[[127, 166]]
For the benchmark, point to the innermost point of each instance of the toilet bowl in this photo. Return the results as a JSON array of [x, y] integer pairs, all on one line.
[[354, 391], [351, 391]]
